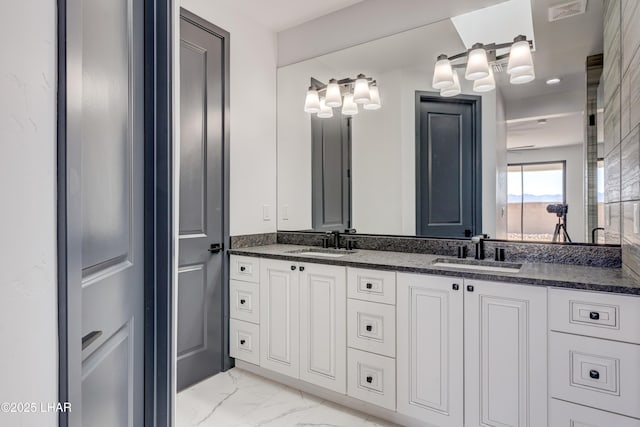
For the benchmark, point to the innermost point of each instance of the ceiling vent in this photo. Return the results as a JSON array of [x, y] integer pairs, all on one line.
[[567, 10]]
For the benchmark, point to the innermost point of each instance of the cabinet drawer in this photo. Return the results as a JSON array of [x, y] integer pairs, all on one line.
[[594, 372], [564, 414], [244, 301], [372, 378], [372, 285], [244, 341], [596, 314], [246, 269], [371, 327]]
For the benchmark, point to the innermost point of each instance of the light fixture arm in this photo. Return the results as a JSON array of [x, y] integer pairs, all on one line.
[[491, 49]]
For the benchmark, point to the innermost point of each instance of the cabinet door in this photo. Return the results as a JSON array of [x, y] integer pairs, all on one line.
[[430, 352], [323, 326], [279, 317], [505, 355]]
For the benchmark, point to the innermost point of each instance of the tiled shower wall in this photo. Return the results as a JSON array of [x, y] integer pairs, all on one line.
[[621, 75]]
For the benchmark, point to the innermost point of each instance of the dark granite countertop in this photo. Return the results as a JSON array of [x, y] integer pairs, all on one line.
[[540, 274]]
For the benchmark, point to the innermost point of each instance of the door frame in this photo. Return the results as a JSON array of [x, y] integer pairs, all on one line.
[[227, 361], [476, 109], [158, 216]]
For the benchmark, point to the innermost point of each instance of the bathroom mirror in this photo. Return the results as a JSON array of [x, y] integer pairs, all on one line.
[[536, 150]]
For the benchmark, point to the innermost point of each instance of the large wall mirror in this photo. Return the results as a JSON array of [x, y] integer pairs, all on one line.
[[516, 161]]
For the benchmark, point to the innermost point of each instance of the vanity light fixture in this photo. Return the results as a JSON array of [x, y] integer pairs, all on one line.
[[452, 90], [481, 62], [346, 93], [325, 112], [312, 102]]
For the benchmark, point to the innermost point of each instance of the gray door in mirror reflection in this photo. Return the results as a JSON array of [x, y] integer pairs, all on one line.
[[331, 172], [448, 165]]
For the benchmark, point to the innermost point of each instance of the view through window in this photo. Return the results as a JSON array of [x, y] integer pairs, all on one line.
[[531, 187]]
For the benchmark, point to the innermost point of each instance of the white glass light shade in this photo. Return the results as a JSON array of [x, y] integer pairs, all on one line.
[[486, 84], [312, 103], [442, 74], [349, 108], [333, 97], [477, 65], [361, 91], [520, 59], [452, 90], [325, 112], [522, 78], [375, 103]]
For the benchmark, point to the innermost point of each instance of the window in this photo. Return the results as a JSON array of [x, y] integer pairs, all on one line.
[[531, 187]]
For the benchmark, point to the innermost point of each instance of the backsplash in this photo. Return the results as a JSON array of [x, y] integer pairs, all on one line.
[[249, 240], [621, 75], [576, 254]]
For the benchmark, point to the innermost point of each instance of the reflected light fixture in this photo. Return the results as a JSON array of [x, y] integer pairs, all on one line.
[[443, 73], [375, 103], [346, 93], [485, 84], [522, 77], [553, 81], [477, 65], [349, 107], [452, 90], [480, 62], [312, 102], [325, 111]]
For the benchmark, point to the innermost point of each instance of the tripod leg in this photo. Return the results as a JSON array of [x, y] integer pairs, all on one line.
[[556, 233], [565, 234]]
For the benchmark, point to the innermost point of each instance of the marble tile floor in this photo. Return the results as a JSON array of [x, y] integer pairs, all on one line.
[[237, 398]]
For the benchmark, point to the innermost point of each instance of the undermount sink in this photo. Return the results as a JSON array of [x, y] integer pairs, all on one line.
[[478, 265], [327, 253]]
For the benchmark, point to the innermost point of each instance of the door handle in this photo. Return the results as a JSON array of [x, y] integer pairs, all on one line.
[[215, 248], [88, 339]]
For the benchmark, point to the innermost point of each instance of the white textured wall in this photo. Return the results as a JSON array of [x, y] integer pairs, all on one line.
[[253, 115], [28, 292]]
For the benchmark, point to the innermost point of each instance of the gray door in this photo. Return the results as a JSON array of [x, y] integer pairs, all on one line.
[[448, 168], [105, 229], [331, 172], [200, 291]]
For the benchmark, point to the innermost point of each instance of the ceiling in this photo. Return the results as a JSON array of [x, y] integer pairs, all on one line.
[[279, 15], [561, 49], [564, 129]]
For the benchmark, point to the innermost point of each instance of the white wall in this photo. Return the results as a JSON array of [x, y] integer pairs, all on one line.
[[253, 115], [28, 286], [573, 154]]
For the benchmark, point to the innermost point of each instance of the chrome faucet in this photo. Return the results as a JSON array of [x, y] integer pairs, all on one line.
[[478, 241]]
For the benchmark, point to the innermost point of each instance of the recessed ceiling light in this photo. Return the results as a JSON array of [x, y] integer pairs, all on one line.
[[553, 81]]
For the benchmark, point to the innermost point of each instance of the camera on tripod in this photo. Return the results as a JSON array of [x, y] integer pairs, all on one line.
[[560, 209]]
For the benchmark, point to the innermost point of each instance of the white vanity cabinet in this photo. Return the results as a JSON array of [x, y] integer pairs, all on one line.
[[505, 351], [430, 348], [280, 316], [594, 354], [441, 351], [303, 322], [496, 333], [323, 326]]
